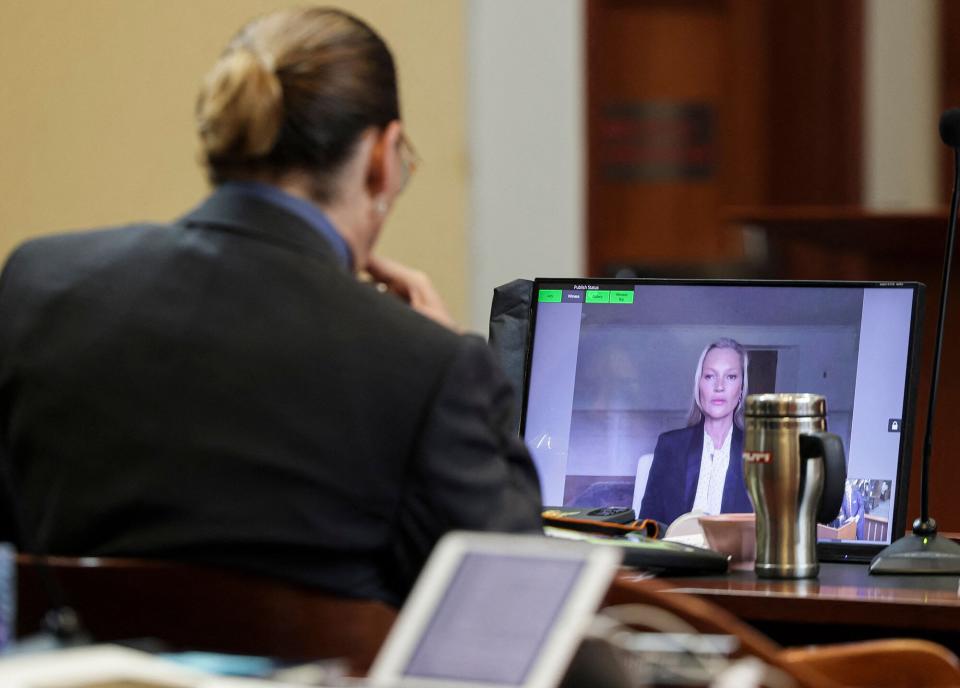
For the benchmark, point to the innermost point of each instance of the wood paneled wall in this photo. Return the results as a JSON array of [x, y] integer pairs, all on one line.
[[694, 105], [783, 82], [949, 73]]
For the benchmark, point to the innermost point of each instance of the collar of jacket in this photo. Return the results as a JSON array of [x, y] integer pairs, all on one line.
[[232, 210]]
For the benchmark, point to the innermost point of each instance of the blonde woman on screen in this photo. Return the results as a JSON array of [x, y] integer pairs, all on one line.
[[699, 467]]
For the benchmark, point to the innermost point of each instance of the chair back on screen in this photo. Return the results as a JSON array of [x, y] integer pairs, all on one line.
[[204, 608]]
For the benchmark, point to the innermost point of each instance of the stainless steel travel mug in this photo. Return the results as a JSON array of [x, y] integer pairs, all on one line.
[[795, 473]]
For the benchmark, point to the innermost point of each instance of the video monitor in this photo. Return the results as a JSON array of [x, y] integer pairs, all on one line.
[[614, 365]]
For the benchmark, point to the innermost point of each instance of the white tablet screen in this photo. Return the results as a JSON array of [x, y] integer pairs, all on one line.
[[494, 618]]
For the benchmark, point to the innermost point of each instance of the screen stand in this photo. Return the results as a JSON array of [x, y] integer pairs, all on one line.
[[922, 551]]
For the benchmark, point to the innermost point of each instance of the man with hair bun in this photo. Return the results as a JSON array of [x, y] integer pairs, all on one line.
[[224, 389]]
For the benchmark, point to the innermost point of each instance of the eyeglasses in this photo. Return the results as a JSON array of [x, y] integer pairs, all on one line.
[[409, 160]]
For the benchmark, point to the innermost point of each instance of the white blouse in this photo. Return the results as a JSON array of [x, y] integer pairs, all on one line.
[[713, 474]]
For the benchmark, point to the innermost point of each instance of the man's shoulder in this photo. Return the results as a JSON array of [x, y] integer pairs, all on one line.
[[94, 235], [53, 260], [75, 245]]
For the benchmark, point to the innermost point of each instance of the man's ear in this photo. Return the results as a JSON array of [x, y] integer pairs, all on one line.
[[383, 171]]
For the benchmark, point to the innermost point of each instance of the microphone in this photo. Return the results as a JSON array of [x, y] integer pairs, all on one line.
[[923, 551], [950, 127]]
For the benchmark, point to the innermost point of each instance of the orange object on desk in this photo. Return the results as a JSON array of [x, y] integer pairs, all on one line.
[[553, 517]]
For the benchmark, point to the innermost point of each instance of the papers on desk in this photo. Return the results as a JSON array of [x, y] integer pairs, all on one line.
[[686, 528], [693, 539], [110, 666]]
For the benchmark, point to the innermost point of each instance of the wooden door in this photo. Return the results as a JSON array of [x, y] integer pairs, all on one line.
[[694, 105]]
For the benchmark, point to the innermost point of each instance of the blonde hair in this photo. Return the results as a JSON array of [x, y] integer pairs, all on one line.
[[293, 90], [696, 412]]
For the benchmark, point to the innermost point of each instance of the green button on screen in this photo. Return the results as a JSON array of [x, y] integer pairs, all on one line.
[[600, 296], [550, 295], [621, 297]]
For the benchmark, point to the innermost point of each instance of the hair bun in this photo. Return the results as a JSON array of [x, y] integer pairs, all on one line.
[[240, 108], [294, 92]]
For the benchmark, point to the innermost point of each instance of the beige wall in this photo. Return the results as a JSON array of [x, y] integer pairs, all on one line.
[[902, 150], [96, 102], [527, 147]]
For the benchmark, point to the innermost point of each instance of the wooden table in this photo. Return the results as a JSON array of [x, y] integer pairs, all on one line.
[[843, 603]]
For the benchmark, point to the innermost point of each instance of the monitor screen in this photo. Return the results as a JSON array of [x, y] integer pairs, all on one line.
[[614, 368]]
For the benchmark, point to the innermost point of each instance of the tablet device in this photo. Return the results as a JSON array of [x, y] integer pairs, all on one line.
[[611, 367], [493, 610]]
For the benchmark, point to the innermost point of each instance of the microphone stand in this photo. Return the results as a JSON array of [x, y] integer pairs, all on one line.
[[923, 551]]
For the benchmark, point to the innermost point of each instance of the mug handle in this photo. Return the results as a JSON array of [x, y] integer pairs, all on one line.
[[814, 445]]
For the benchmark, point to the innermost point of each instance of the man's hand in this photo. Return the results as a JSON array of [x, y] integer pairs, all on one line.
[[413, 286]]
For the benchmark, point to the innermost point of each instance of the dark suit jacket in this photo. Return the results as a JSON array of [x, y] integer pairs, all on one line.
[[222, 390], [672, 485]]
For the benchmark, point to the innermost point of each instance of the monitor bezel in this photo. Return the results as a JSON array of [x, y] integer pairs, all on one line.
[[826, 551]]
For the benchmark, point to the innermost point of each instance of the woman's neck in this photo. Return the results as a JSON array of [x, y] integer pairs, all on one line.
[[717, 428]]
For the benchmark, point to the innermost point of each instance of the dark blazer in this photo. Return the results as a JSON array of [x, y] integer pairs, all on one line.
[[222, 390], [672, 484]]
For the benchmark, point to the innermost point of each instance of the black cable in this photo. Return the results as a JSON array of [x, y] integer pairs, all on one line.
[[926, 525]]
